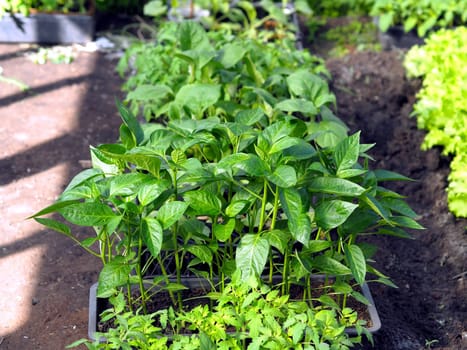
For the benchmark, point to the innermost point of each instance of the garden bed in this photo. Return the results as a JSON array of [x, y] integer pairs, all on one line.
[[373, 96]]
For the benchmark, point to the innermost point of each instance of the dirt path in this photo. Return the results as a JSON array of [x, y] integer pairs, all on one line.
[[47, 131]]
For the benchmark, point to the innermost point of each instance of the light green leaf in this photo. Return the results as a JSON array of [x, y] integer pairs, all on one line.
[[346, 152], [170, 213], [330, 266], [237, 207], [297, 105], [277, 239], [335, 186], [203, 202], [232, 53], [203, 253], [131, 122], [114, 274], [147, 93], [197, 97], [252, 255], [88, 214], [284, 176], [55, 225], [223, 232]]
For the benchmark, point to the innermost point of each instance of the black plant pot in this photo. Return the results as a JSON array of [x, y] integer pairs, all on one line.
[[97, 305]]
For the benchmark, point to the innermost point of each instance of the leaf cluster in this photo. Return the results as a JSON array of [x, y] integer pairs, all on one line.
[[422, 16], [247, 315], [25, 6], [441, 107]]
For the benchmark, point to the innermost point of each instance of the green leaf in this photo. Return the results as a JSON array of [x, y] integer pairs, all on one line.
[[147, 93], [385, 21], [297, 105], [284, 143], [152, 235], [131, 122], [191, 35], [356, 261], [197, 97], [223, 232], [232, 53], [249, 116], [84, 176], [346, 152], [398, 205], [284, 176], [277, 239], [204, 202], [316, 246], [54, 208], [404, 221], [252, 255], [114, 274], [394, 231], [202, 252], [386, 175], [88, 214], [330, 266], [149, 192], [55, 225], [170, 213], [340, 187], [237, 207], [333, 213]]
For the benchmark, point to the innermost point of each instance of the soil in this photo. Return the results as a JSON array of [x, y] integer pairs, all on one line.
[[46, 133]]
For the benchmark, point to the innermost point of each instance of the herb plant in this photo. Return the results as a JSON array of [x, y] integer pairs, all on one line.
[[25, 6], [423, 16], [441, 107], [246, 315]]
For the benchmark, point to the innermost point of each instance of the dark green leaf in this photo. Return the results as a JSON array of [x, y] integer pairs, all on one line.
[[356, 261], [346, 152], [131, 122], [330, 266], [277, 239], [114, 274], [335, 186], [223, 232], [204, 202], [333, 213], [284, 176], [55, 225]]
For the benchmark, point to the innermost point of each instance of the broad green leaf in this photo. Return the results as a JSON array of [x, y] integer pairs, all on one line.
[[249, 116], [330, 266], [88, 214], [149, 192], [252, 255], [125, 184], [349, 173], [333, 213], [152, 235], [191, 35], [55, 225], [202, 252], [297, 105], [283, 144], [346, 152], [377, 207], [237, 207], [197, 97], [170, 213], [232, 53], [315, 246], [149, 92], [340, 187], [342, 287], [83, 176], [155, 8], [277, 239], [203, 202], [131, 122], [114, 274], [300, 228], [223, 232], [126, 137], [360, 298], [356, 261], [284, 176], [385, 21], [144, 159]]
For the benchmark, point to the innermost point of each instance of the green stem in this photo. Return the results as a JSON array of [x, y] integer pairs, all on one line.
[[164, 273], [140, 276], [263, 206]]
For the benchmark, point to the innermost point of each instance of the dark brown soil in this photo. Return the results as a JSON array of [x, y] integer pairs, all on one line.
[[46, 132]]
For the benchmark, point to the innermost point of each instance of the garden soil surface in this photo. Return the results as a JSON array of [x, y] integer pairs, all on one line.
[[46, 133]]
